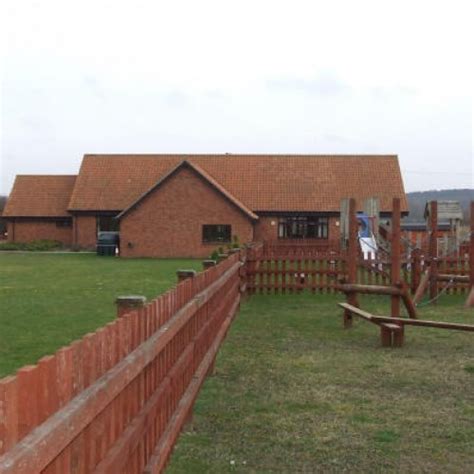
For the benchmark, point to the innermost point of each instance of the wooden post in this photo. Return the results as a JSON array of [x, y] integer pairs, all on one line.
[[125, 304], [351, 260], [433, 249], [185, 274], [415, 269], [395, 271], [208, 264], [396, 256], [470, 298]]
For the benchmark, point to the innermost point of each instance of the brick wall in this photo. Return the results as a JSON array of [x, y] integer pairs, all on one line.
[[264, 230], [26, 230], [85, 231], [168, 222]]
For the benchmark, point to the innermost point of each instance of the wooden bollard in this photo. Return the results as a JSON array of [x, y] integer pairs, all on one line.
[[185, 274], [125, 304], [208, 264], [392, 337]]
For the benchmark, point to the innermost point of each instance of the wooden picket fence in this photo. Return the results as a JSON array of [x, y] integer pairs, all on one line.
[[116, 400], [274, 268], [298, 248]]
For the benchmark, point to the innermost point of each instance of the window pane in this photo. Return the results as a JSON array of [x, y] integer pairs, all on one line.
[[216, 233], [303, 227]]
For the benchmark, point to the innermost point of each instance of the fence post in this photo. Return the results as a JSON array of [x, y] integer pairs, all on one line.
[[415, 270], [125, 304], [208, 264], [397, 338], [470, 298], [396, 256], [243, 288], [351, 260], [433, 249], [185, 274]]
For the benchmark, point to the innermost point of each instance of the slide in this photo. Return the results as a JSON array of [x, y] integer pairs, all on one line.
[[368, 245]]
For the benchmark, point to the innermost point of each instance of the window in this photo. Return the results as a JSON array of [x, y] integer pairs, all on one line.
[[107, 224], [303, 227], [216, 233], [66, 222]]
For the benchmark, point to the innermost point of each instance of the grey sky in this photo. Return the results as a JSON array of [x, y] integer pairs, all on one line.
[[243, 77]]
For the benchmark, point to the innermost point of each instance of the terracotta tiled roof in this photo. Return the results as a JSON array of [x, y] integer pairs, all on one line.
[[260, 182], [39, 196], [205, 176]]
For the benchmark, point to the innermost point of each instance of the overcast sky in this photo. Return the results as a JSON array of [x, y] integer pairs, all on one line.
[[243, 76]]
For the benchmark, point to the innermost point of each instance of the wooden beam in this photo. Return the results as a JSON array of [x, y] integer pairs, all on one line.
[[407, 322], [369, 289], [420, 291], [352, 253], [409, 305], [353, 309], [425, 323], [433, 249], [456, 278], [395, 256]]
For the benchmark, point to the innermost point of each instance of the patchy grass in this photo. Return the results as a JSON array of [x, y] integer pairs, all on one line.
[[294, 392], [47, 300]]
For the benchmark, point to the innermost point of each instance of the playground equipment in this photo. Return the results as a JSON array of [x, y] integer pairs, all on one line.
[[432, 276], [392, 328], [391, 334]]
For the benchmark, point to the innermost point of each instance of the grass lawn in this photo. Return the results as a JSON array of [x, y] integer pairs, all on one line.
[[48, 300], [294, 392]]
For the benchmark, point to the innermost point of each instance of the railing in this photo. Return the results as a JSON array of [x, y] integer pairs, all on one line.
[[116, 400]]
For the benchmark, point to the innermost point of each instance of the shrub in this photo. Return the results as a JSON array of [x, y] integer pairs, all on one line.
[[235, 242], [34, 245], [214, 255]]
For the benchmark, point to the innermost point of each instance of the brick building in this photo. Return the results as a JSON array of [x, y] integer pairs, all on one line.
[[187, 205]]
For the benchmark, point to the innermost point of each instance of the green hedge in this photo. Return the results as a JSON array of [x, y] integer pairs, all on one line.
[[34, 245]]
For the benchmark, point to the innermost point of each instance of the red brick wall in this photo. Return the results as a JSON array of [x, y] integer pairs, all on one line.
[[85, 231], [26, 230], [168, 223], [264, 230]]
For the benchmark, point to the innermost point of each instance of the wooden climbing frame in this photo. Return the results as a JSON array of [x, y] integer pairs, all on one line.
[[391, 333]]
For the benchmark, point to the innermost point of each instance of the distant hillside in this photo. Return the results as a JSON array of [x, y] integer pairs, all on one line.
[[418, 200]]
